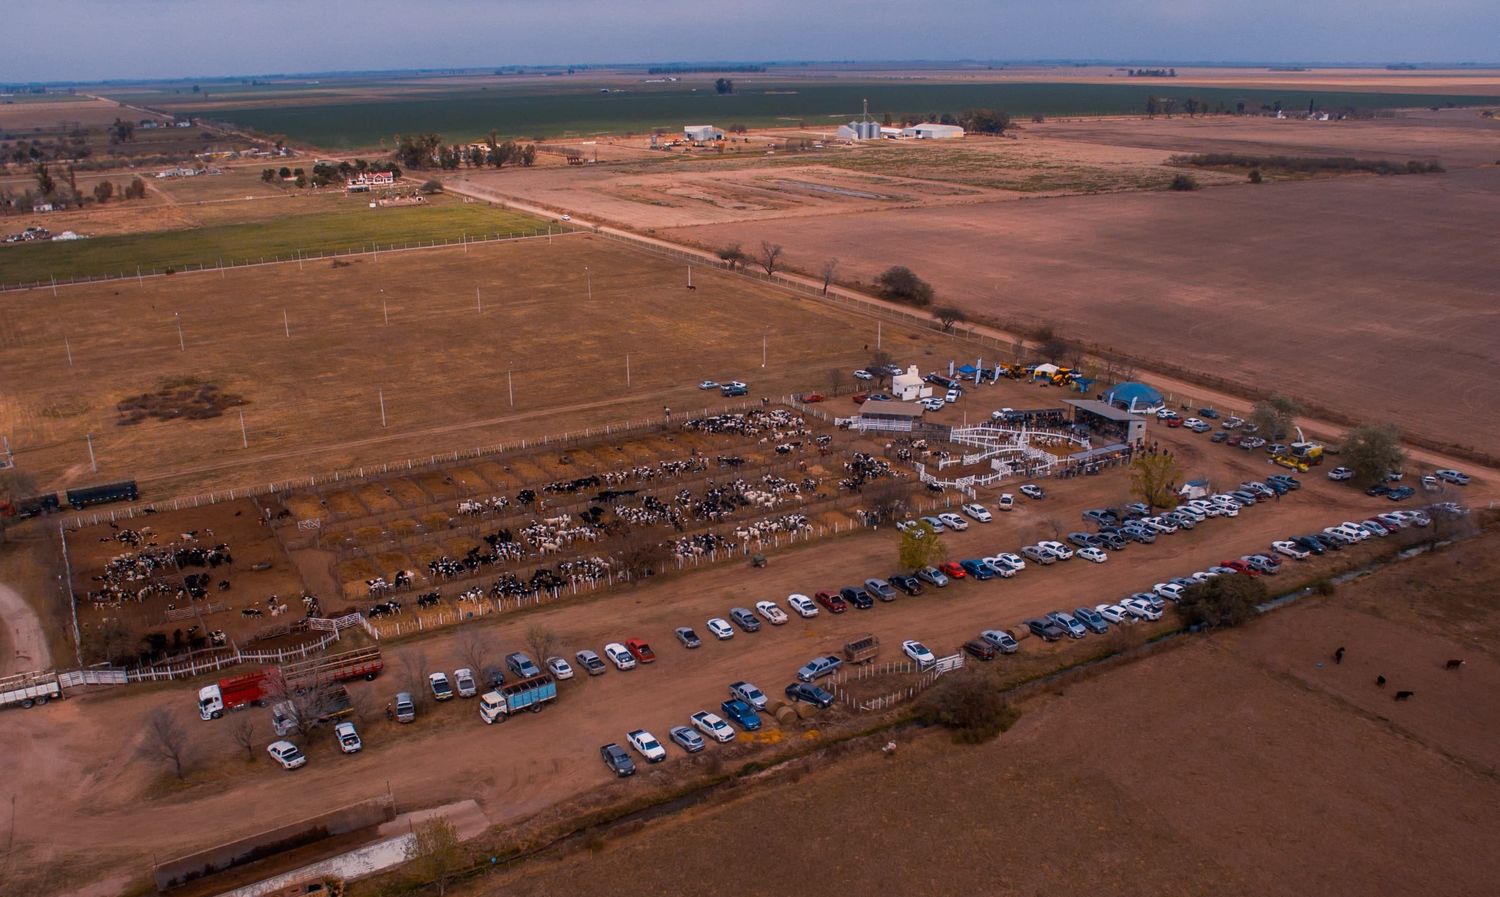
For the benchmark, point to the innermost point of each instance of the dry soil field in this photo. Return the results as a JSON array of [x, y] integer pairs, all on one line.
[[1336, 290], [557, 319], [1243, 763]]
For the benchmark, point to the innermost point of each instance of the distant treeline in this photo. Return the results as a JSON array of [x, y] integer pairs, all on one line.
[[1306, 164], [688, 69]]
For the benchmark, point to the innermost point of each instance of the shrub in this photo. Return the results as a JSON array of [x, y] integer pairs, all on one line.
[[430, 187], [970, 706], [1222, 601], [1255, 176], [1184, 182], [898, 283]]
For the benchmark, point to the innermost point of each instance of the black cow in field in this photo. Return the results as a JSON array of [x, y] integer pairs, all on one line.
[[1403, 695], [1453, 664]]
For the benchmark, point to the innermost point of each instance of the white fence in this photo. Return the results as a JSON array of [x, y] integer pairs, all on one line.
[[228, 657], [890, 699], [97, 676]]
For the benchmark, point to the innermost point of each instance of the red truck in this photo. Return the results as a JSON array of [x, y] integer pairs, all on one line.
[[254, 688]]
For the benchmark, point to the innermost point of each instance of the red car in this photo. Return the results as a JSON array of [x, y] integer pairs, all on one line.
[[835, 603], [640, 650], [860, 397], [810, 397], [1240, 567], [1174, 422], [953, 570]]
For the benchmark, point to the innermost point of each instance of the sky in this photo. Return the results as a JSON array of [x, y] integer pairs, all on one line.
[[63, 40]]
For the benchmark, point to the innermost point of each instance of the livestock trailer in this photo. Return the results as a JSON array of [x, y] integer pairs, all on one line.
[[29, 689], [124, 490]]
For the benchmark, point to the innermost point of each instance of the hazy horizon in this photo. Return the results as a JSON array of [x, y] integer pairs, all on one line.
[[120, 40]]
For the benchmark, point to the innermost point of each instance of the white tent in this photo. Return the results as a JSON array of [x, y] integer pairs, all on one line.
[[1046, 369]]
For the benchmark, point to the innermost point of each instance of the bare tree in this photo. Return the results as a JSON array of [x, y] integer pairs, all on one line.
[[474, 651], [542, 642], [949, 315], [644, 554], [836, 379], [413, 676], [770, 254], [830, 267], [435, 853], [166, 741], [242, 730], [880, 366], [733, 255]]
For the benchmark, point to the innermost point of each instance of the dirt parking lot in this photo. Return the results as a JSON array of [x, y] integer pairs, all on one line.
[[1243, 763]]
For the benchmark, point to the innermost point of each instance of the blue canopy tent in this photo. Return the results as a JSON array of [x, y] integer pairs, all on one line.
[[1135, 397]]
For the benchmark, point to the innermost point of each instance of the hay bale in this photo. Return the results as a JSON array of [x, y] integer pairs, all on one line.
[[786, 715], [805, 711]]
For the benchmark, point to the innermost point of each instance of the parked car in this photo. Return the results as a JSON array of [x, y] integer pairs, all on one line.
[[463, 680], [646, 745], [908, 584], [1339, 474], [881, 589], [979, 649], [1140, 609], [1014, 560], [835, 603], [559, 668], [934, 403], [1401, 493], [620, 656], [919, 653], [1045, 629], [863, 374], [348, 738], [640, 650], [952, 569], [1291, 549], [1170, 590], [1058, 549], [772, 614], [933, 577], [819, 667], [741, 714], [687, 739], [1091, 619], [812, 694], [1114, 613], [744, 619], [442, 690], [1093, 554], [977, 569], [998, 567], [802, 605], [934, 524], [590, 662], [1069, 624], [406, 708], [1039, 554], [708, 384], [617, 760], [1006, 501], [688, 637], [1220, 436], [1033, 491], [747, 692], [954, 522], [287, 754], [1456, 477], [857, 597], [1003, 641], [521, 665], [978, 512], [712, 725]]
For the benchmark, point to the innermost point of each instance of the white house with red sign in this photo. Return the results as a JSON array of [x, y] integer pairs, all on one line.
[[365, 181]]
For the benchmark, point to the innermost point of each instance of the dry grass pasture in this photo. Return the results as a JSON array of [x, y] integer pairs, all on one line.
[[1371, 296], [1243, 763], [443, 367]]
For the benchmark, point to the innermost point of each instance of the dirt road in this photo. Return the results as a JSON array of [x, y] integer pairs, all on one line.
[[24, 643]]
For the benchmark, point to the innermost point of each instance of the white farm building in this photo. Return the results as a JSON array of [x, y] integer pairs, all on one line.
[[701, 133], [933, 132]]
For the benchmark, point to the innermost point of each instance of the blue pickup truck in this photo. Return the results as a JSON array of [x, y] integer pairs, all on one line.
[[527, 694], [741, 714]]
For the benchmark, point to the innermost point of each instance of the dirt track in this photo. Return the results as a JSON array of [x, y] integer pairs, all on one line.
[[24, 641]]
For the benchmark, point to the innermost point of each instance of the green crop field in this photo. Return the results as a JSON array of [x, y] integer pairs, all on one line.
[[230, 243], [540, 112]]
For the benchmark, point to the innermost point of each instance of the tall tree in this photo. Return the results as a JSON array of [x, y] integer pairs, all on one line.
[[949, 315], [733, 255], [724, 85], [1154, 479], [1223, 601], [166, 741], [920, 547], [899, 284], [44, 182], [1274, 415], [770, 254], [1372, 451], [434, 853], [830, 267]]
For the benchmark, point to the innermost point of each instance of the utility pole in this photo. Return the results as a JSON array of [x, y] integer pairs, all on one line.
[[590, 281], [181, 344], [878, 333], [510, 386], [244, 437], [763, 338], [93, 463], [69, 349], [286, 324], [382, 408], [478, 303], [627, 371]]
